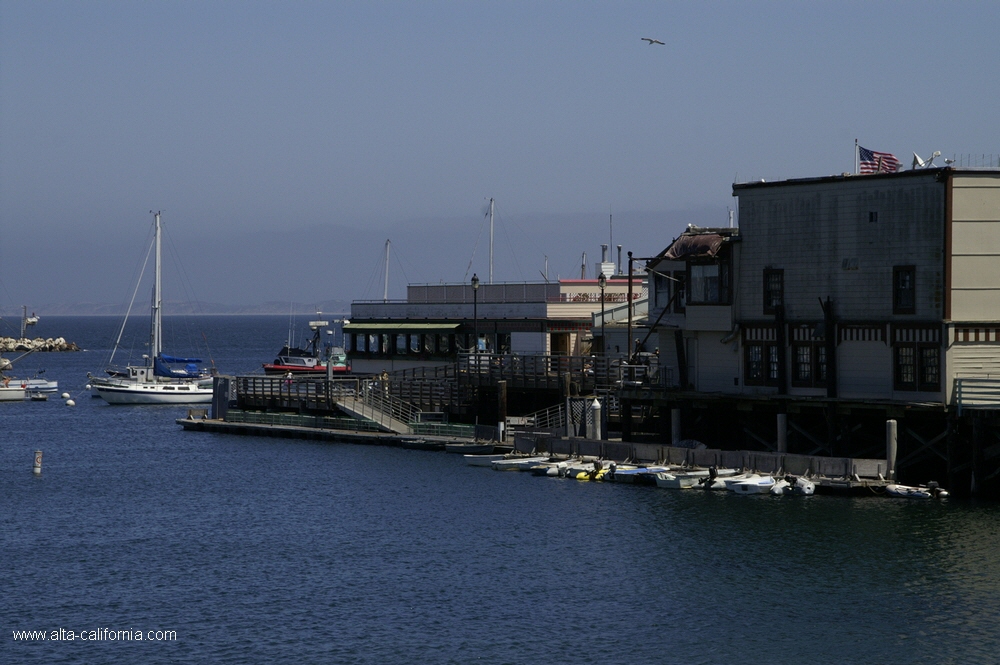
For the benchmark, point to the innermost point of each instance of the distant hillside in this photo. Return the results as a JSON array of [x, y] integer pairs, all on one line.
[[332, 307]]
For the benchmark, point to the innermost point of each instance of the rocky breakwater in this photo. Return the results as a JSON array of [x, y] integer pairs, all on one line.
[[10, 345]]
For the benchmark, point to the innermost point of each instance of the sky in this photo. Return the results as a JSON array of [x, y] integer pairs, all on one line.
[[285, 143]]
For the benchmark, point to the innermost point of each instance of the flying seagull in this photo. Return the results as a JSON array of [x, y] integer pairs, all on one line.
[[652, 41]]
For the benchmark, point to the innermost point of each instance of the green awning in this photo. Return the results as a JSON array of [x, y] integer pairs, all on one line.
[[398, 327]]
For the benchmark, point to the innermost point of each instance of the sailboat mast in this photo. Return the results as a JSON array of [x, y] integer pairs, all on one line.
[[156, 344], [385, 292], [491, 240]]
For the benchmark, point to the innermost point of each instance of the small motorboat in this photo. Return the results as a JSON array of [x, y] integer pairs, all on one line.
[[758, 485], [643, 475], [36, 396], [794, 485], [681, 480], [481, 460], [781, 487], [731, 481], [929, 491], [802, 486], [717, 478], [514, 463], [421, 444]]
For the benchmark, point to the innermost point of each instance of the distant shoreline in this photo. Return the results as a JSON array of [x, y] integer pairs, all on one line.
[[334, 308]]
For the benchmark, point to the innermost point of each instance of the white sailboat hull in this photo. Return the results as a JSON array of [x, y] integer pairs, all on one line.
[[12, 393], [153, 393]]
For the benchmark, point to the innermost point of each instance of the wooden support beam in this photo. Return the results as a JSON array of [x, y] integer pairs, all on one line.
[[925, 445]]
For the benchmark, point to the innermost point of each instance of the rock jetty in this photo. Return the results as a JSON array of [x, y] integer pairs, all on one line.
[[9, 344]]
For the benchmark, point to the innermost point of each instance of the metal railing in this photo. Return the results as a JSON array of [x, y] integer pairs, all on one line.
[[976, 394]]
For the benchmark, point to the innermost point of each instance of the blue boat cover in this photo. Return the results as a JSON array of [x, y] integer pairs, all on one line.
[[160, 367], [172, 359]]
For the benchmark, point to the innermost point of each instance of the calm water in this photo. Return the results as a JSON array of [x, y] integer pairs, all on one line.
[[262, 550]]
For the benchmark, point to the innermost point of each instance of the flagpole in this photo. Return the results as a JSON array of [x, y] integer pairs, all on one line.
[[857, 167]]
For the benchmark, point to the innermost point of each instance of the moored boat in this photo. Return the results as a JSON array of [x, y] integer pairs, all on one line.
[[758, 485], [421, 444], [314, 360], [929, 491], [12, 390], [515, 463], [681, 479], [156, 381]]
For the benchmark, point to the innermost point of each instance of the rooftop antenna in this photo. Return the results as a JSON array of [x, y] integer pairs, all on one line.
[[611, 228], [919, 163], [385, 292]]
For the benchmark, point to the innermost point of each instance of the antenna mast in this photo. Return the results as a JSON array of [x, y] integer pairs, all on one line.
[[491, 240], [385, 292]]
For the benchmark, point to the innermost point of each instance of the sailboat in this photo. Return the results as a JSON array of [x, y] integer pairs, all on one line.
[[155, 381]]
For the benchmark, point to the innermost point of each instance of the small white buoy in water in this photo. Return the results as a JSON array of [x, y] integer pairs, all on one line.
[[37, 470], [70, 402], [65, 395]]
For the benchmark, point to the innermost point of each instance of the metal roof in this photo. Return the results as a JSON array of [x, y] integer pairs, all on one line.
[[399, 326]]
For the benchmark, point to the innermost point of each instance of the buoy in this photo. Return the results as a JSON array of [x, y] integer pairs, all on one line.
[[70, 402], [65, 395], [37, 470]]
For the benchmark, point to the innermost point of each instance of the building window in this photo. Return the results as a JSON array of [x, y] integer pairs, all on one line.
[[774, 290], [810, 365], [661, 283], [680, 295], [760, 364], [708, 283], [918, 367], [904, 280], [873, 217]]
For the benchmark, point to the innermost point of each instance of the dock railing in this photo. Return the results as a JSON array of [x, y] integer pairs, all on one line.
[[974, 393]]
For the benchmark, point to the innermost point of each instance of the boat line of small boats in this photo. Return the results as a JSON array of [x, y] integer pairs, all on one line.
[[738, 481]]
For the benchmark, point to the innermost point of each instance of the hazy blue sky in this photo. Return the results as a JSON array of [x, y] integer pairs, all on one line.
[[285, 142]]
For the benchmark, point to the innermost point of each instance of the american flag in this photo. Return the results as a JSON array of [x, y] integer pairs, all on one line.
[[870, 161]]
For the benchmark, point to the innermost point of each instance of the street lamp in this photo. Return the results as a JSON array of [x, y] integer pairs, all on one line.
[[602, 282], [475, 305]]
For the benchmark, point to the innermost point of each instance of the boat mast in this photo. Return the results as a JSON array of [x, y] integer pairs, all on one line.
[[155, 342], [491, 240], [385, 292]]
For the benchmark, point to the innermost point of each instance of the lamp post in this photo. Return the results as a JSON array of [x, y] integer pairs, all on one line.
[[602, 282], [475, 307]]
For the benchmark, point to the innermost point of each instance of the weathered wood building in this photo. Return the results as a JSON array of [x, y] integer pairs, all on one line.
[[837, 296]]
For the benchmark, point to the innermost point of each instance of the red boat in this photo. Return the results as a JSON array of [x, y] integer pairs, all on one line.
[[309, 361]]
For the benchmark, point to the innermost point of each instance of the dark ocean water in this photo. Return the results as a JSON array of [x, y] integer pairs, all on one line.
[[256, 550]]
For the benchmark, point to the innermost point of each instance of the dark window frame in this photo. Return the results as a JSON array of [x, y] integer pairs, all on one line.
[[904, 289], [724, 284], [817, 368], [922, 369], [774, 289], [761, 365], [680, 290]]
